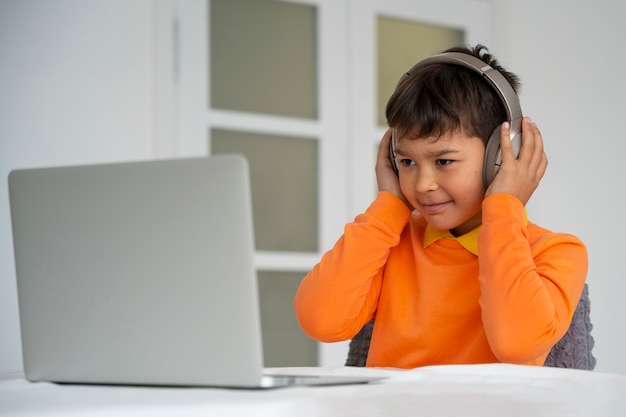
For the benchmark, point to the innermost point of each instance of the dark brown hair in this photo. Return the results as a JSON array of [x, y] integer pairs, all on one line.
[[440, 98]]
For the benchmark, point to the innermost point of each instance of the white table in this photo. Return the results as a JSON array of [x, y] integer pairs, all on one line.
[[470, 390]]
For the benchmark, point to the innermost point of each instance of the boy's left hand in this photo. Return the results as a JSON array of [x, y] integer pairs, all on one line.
[[520, 177]]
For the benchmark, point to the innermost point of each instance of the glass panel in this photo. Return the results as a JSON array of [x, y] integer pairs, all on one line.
[[283, 173], [401, 44], [284, 344], [263, 57]]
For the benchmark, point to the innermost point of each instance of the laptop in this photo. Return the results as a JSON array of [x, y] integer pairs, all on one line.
[[141, 273]]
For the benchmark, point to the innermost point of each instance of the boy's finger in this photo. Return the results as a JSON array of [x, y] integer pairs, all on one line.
[[506, 148], [528, 140]]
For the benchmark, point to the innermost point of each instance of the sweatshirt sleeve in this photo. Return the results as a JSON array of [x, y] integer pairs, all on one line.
[[530, 282], [339, 295]]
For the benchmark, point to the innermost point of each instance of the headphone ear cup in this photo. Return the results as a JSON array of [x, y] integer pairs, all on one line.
[[493, 155], [392, 152]]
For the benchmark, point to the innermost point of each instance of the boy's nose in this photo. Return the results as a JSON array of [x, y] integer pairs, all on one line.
[[425, 181]]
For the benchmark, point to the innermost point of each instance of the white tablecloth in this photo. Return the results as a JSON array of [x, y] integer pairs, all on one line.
[[468, 390]]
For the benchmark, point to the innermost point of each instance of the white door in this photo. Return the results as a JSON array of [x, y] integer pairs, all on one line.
[[297, 86]]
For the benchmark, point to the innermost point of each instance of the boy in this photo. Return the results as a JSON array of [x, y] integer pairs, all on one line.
[[466, 279]]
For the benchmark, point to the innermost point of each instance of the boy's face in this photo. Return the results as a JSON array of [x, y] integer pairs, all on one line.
[[441, 177]]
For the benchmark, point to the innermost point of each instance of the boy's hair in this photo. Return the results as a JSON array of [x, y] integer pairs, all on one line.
[[441, 98]]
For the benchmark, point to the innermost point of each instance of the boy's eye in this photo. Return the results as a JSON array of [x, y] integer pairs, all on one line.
[[407, 162], [443, 161]]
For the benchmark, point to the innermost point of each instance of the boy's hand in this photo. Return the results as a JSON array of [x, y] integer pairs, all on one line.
[[520, 177], [385, 175]]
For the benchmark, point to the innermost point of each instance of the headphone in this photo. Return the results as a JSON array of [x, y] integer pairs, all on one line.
[[510, 101]]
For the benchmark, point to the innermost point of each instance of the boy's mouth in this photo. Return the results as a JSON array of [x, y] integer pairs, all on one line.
[[434, 208]]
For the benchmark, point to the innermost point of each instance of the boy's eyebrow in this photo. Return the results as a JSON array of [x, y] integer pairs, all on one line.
[[442, 152], [432, 154]]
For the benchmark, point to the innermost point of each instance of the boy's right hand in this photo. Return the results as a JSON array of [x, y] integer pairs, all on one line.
[[385, 175], [520, 177]]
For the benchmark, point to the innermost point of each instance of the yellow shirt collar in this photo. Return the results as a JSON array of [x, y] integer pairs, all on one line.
[[469, 240]]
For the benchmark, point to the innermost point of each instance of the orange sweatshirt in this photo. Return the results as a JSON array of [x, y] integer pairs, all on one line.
[[441, 303]]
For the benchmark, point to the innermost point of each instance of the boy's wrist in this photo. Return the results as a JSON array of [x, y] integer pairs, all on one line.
[[390, 209], [501, 205]]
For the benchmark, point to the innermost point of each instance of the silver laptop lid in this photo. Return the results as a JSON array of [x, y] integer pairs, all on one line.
[[137, 273]]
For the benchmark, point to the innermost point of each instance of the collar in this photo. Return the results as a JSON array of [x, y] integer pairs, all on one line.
[[469, 240]]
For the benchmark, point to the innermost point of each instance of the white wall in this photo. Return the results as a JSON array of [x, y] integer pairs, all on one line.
[[571, 60], [80, 70], [76, 86]]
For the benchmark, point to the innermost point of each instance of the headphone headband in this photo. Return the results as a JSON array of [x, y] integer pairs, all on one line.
[[494, 77]]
